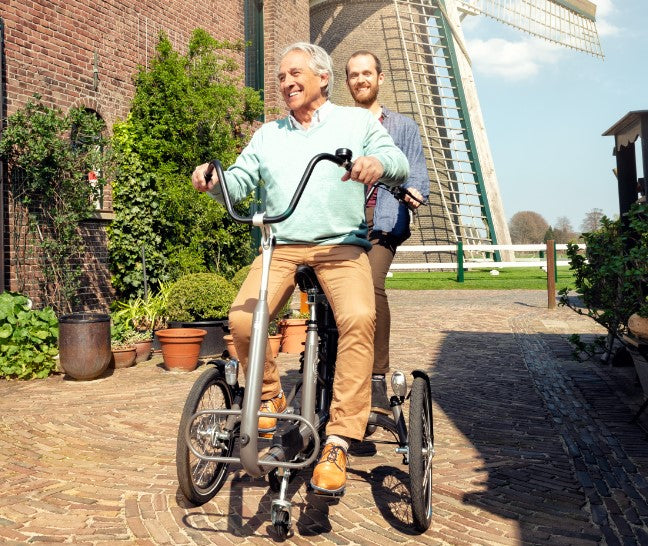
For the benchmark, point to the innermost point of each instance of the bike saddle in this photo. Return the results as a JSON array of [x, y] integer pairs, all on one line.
[[306, 279]]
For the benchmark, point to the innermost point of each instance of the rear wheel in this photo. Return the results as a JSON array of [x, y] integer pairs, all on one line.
[[421, 451], [200, 480]]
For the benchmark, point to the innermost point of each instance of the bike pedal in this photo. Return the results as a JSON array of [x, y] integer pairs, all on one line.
[[266, 435]]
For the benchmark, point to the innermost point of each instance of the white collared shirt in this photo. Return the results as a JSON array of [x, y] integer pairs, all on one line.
[[318, 117]]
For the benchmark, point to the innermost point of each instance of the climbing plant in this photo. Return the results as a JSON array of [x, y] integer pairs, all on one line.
[[49, 155], [187, 109]]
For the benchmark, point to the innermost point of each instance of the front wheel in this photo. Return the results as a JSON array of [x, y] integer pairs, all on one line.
[[200, 480], [421, 451]]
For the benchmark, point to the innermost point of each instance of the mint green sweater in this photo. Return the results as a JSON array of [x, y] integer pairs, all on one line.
[[330, 211]]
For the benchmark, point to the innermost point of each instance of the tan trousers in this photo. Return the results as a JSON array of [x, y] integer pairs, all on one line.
[[381, 257], [345, 276]]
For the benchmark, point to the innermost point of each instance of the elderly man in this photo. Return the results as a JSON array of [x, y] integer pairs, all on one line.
[[387, 219], [327, 231]]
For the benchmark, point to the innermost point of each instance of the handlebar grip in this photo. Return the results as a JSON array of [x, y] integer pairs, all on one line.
[[344, 155]]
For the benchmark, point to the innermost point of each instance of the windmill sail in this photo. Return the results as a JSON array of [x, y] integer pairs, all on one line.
[[570, 23]]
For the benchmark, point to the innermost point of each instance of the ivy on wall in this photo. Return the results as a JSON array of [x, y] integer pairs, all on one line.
[[49, 156]]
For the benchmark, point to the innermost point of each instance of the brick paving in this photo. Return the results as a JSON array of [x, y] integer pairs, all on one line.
[[531, 447]]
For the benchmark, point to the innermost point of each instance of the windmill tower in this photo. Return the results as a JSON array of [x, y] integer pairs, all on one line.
[[422, 48]]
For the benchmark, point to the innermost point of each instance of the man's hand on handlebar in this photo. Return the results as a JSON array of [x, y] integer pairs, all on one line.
[[199, 180], [413, 203], [366, 170]]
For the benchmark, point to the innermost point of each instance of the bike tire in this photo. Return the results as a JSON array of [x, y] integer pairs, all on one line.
[[421, 451], [200, 480]]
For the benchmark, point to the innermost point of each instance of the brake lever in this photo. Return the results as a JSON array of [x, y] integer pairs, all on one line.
[[398, 192]]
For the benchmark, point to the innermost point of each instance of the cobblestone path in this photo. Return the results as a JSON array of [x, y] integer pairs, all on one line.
[[531, 447]]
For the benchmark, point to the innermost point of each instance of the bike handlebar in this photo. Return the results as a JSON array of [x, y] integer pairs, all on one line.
[[342, 158]]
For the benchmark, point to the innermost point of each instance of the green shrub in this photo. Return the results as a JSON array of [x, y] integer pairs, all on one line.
[[612, 277], [200, 296], [28, 338], [240, 276]]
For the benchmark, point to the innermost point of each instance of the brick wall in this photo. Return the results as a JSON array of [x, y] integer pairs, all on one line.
[[285, 22], [84, 53], [51, 46]]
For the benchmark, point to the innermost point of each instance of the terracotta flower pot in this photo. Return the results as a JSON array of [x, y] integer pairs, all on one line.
[[229, 344], [143, 350], [293, 333], [181, 347], [275, 344], [123, 358], [638, 326]]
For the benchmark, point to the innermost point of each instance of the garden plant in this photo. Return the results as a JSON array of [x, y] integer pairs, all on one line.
[[28, 338], [187, 109], [49, 156], [611, 278]]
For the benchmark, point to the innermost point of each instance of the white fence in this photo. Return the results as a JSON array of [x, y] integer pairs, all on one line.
[[481, 263]]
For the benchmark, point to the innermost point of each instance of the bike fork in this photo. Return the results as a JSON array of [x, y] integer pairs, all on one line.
[[280, 511]]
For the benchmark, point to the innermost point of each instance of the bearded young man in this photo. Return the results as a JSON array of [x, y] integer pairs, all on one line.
[[327, 231], [388, 219]]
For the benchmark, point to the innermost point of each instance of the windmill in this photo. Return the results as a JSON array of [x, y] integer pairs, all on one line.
[[422, 48]]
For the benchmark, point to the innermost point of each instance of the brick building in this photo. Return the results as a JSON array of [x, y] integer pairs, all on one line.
[[82, 53]]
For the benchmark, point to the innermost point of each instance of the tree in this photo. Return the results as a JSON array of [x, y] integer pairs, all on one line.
[[527, 227], [563, 231], [549, 235], [187, 109], [592, 220]]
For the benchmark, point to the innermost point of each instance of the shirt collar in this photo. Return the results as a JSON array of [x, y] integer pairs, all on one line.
[[318, 117]]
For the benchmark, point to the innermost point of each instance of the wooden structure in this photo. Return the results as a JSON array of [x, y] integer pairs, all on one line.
[[626, 131]]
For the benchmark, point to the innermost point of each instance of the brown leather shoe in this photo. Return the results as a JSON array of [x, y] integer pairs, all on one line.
[[329, 476], [274, 405]]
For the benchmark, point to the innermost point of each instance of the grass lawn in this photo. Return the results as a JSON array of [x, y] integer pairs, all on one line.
[[518, 278]]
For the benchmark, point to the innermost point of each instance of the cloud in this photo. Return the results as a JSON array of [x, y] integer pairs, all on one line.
[[512, 60], [605, 8]]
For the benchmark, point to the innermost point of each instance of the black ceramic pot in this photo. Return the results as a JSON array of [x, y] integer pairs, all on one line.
[[213, 344]]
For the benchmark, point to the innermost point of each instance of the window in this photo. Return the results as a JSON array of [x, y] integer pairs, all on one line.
[[254, 40]]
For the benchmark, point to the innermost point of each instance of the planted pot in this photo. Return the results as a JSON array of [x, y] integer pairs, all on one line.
[[293, 335], [274, 340], [181, 347], [84, 344], [143, 350], [638, 325], [229, 345], [123, 357], [213, 343], [275, 344]]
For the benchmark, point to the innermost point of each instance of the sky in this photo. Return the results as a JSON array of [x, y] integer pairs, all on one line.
[[545, 108]]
